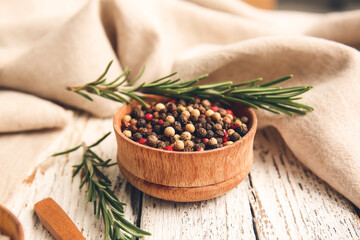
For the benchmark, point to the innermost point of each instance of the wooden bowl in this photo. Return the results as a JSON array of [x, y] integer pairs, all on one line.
[[185, 176], [10, 225]]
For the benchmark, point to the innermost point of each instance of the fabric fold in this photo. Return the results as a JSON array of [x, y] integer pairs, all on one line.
[[230, 40]]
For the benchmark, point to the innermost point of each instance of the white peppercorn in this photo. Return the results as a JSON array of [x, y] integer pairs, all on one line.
[[127, 133], [169, 131]]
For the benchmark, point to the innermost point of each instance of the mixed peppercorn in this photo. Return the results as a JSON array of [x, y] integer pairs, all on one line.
[[184, 126]]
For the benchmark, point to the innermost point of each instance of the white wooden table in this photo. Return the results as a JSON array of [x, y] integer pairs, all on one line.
[[280, 199]]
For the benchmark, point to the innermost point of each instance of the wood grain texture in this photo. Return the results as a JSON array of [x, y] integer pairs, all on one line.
[[185, 176], [280, 199], [10, 225], [56, 221]]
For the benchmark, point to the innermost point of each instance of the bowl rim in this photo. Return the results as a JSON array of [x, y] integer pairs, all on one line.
[[249, 134], [15, 222]]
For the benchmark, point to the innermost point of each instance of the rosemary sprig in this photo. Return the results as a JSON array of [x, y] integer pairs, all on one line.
[[99, 192], [265, 96]]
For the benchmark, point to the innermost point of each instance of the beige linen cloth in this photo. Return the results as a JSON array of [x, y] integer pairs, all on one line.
[[44, 48]]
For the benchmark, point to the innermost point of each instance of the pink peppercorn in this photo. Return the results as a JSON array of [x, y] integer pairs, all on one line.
[[143, 141], [149, 117], [169, 148]]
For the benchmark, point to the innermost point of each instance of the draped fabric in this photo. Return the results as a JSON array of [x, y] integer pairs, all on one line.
[[46, 46]]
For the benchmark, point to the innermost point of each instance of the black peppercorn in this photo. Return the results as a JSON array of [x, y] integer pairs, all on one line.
[[199, 145], [201, 132], [162, 116], [177, 126], [144, 131], [217, 127], [161, 144], [235, 136], [148, 125], [136, 137], [175, 114], [183, 120], [244, 120], [171, 107], [242, 130], [209, 134], [158, 129], [197, 140], [202, 121], [198, 125], [220, 133], [165, 125], [208, 126], [135, 113], [162, 138], [156, 115], [154, 122], [149, 110], [220, 140], [133, 128], [141, 123]]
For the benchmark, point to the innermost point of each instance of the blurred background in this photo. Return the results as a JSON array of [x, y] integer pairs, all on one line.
[[317, 6]]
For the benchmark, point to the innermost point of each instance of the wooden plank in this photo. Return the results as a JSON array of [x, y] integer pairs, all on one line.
[[225, 217], [290, 202], [54, 179], [279, 199]]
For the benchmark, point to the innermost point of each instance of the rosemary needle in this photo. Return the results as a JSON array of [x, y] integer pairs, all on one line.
[[105, 201], [265, 96]]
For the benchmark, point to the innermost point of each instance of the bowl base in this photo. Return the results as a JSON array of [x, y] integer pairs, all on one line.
[[185, 194]]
